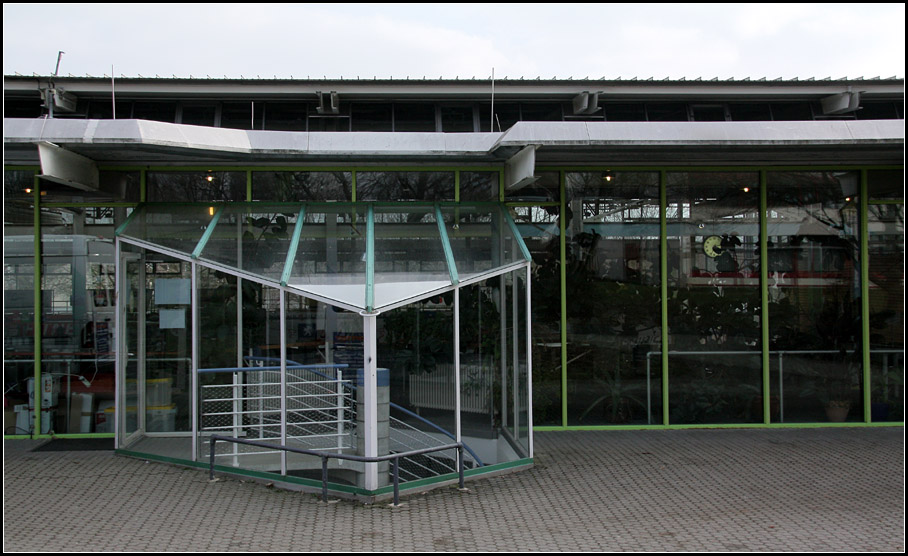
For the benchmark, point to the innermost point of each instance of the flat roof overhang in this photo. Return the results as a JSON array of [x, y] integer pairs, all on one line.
[[130, 142]]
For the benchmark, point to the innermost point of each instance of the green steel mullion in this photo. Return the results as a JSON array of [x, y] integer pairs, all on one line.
[[294, 244], [37, 302], [865, 295], [517, 237], [370, 259], [563, 246], [143, 177], [446, 245], [208, 232], [456, 186], [353, 186], [501, 187], [764, 297], [249, 185], [663, 279]]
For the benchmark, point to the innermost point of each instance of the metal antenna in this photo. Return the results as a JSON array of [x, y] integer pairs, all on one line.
[[59, 56], [492, 115]]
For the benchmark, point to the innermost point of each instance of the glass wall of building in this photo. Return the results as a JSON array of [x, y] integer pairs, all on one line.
[[19, 300], [612, 279], [600, 353], [713, 304], [78, 316], [814, 291], [886, 293]]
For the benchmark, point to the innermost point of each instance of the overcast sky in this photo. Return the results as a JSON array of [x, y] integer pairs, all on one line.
[[416, 41]]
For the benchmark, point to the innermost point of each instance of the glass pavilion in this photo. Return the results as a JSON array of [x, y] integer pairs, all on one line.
[[354, 328]]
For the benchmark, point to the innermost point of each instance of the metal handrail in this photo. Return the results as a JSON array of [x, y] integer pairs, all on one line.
[[394, 458], [404, 410]]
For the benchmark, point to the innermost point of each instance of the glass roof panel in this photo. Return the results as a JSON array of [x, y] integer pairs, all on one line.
[[409, 255], [254, 238], [177, 227], [480, 239], [410, 258], [330, 259]]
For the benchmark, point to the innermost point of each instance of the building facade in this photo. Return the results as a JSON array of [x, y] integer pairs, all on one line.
[[704, 253]]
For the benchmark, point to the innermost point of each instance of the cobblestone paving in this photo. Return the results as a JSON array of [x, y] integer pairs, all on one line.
[[834, 489]]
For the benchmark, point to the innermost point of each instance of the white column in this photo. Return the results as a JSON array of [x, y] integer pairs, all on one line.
[[283, 335], [529, 377], [457, 364], [370, 399], [119, 351], [194, 366]]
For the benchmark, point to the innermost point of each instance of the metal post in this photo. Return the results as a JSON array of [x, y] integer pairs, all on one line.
[[395, 463], [781, 397], [283, 335], [370, 399], [211, 460], [324, 478], [457, 392], [119, 353], [515, 352], [529, 362], [194, 365], [340, 409]]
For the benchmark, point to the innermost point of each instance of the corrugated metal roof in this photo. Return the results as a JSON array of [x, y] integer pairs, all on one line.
[[458, 79]]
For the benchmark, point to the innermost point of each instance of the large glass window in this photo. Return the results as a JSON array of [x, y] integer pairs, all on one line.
[[613, 292], [170, 187], [302, 186], [539, 227], [405, 186], [886, 288], [814, 295], [714, 361], [78, 316], [18, 298]]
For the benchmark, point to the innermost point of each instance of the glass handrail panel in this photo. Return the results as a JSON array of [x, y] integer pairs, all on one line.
[[409, 255], [253, 238], [480, 239], [330, 261], [177, 227]]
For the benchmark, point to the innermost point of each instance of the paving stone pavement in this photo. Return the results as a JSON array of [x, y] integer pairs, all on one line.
[[829, 489]]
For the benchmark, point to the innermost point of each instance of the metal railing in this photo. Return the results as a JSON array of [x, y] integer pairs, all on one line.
[[405, 435], [320, 408], [325, 456]]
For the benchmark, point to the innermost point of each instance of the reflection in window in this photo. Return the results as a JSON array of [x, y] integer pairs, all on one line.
[[886, 250], [479, 186], [18, 295], [546, 189], [814, 299], [613, 306], [302, 186], [405, 186], [715, 363], [539, 227], [195, 186], [456, 119]]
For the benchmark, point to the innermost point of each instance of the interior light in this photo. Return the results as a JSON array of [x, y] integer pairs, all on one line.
[[209, 177], [847, 199], [28, 190], [746, 190], [210, 211], [608, 176]]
